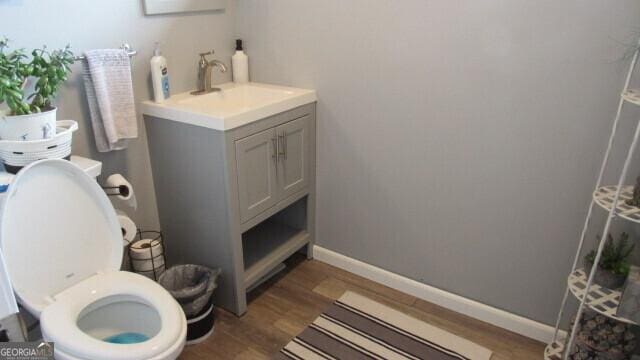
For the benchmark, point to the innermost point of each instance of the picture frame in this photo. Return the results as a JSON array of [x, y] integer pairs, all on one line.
[[158, 7]]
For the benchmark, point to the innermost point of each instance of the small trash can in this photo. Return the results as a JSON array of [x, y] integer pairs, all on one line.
[[192, 286]]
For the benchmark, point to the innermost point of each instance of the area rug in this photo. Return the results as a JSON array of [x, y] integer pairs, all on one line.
[[355, 327]]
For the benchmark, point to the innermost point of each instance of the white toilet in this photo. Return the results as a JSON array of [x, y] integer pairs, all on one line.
[[63, 247]]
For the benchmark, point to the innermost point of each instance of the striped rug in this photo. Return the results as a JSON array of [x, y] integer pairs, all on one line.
[[355, 327]]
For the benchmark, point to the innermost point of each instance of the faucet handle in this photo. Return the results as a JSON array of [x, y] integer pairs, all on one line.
[[202, 55]]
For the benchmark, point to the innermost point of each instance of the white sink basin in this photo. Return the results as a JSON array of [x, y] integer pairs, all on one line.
[[234, 106]]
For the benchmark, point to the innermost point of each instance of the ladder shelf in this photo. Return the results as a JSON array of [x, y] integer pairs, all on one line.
[[613, 199]]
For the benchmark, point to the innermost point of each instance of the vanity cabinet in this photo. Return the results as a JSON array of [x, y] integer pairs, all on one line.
[[256, 158], [241, 199], [294, 164], [272, 165]]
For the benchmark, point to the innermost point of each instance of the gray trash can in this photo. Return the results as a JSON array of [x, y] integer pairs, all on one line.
[[192, 286]]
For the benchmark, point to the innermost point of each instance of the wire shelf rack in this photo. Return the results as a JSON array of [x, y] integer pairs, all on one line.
[[601, 299], [632, 96], [605, 196], [554, 351]]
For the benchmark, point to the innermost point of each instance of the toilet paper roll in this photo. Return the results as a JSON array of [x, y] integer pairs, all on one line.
[[124, 188], [148, 266], [129, 228], [145, 249], [150, 274], [141, 253]]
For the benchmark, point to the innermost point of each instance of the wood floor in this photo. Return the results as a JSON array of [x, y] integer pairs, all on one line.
[[281, 308]]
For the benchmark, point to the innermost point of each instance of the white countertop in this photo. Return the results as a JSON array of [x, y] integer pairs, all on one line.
[[234, 106]]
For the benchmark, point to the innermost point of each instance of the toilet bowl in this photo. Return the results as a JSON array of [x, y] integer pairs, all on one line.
[[63, 248]]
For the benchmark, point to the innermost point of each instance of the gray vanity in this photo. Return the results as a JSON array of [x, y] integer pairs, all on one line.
[[234, 175]]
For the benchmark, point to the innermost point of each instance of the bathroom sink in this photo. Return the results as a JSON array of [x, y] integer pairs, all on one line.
[[232, 107]]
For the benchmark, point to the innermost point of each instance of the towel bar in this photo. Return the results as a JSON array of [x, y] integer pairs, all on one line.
[[124, 46]]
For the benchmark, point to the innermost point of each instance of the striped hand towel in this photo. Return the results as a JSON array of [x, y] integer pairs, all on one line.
[[107, 79]]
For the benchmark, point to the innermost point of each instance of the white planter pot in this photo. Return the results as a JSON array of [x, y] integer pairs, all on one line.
[[28, 127]]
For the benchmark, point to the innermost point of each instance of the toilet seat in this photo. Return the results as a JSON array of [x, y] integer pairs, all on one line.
[[57, 228], [58, 321]]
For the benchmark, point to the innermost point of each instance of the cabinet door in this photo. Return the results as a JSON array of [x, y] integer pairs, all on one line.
[[256, 165], [293, 162]]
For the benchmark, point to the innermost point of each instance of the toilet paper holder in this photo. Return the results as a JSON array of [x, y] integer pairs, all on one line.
[[117, 186], [147, 254], [121, 190]]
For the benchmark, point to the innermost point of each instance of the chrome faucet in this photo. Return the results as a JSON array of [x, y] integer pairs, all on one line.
[[204, 73]]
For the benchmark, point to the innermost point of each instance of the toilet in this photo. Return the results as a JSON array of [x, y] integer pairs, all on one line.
[[63, 246]]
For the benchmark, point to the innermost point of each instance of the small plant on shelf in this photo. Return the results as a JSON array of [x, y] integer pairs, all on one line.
[[635, 198], [613, 266]]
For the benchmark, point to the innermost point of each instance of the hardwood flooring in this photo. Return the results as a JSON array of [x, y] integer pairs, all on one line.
[[284, 306]]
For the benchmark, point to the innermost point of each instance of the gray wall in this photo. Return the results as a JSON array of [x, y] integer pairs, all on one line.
[[103, 24], [458, 140]]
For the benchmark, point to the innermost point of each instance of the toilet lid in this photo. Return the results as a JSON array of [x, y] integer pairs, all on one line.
[[57, 228]]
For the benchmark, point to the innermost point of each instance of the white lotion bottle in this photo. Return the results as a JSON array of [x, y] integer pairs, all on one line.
[[240, 65], [159, 76]]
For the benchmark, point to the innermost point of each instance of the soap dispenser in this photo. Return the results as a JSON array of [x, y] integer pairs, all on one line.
[[159, 76], [240, 64]]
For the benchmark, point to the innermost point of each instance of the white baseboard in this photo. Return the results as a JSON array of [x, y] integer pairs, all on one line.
[[517, 324]]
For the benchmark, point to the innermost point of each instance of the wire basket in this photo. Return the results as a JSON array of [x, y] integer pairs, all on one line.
[[147, 254]]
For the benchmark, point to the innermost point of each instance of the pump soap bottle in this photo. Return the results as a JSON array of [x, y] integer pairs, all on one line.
[[159, 76], [240, 64]]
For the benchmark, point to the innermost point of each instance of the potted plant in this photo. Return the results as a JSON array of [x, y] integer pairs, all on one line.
[[613, 267], [28, 86]]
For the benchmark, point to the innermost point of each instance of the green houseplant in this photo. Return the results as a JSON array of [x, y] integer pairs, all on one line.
[[613, 266], [28, 85]]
